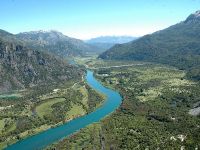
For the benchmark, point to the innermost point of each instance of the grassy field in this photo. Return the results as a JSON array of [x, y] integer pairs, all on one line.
[[45, 107], [2, 123], [84, 92], [75, 111]]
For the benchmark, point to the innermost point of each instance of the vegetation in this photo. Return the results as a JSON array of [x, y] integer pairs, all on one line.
[[46, 107], [154, 113], [35, 110], [177, 45], [87, 138], [161, 104]]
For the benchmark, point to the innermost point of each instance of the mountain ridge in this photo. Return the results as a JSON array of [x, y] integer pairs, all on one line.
[[55, 42], [177, 45], [106, 42], [112, 39], [22, 67]]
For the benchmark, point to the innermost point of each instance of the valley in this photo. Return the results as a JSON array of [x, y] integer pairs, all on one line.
[[33, 110], [154, 113], [130, 80], [156, 108], [43, 139], [157, 101]]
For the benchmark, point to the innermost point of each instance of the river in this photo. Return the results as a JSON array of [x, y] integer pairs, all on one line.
[[43, 139]]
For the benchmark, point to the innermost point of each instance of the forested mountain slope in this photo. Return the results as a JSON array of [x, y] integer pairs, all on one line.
[[178, 45]]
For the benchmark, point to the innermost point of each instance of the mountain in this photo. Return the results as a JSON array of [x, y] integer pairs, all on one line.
[[178, 45], [55, 42], [22, 67], [106, 42], [5, 34], [112, 39], [102, 47]]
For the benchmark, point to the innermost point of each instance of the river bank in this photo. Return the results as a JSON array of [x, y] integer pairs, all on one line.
[[50, 136]]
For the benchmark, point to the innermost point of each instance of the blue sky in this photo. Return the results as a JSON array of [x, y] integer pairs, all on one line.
[[90, 18]]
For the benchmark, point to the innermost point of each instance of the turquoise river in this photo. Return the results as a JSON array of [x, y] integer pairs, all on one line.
[[43, 139]]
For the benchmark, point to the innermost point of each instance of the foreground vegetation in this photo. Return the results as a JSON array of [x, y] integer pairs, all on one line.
[[28, 112], [154, 113]]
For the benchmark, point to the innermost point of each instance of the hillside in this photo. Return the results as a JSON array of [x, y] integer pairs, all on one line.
[[177, 45], [22, 67], [106, 42], [55, 42]]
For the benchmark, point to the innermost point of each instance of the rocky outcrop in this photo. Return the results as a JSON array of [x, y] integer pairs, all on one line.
[[22, 67]]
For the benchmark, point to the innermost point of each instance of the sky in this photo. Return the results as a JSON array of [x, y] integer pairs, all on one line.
[[86, 19]]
